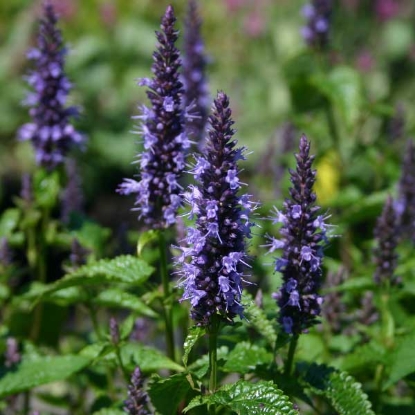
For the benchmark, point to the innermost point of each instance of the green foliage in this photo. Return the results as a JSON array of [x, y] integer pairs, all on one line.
[[195, 333], [35, 372], [339, 388], [247, 398]]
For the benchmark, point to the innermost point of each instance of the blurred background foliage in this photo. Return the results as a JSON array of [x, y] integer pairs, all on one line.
[[344, 100]]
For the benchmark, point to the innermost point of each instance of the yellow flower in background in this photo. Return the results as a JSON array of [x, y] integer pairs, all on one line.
[[328, 177]]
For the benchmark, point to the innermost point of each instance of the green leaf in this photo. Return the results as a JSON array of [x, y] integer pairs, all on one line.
[[195, 333], [247, 398], [258, 319], [109, 411], [114, 297], [166, 394], [343, 88], [46, 188], [9, 221], [402, 360], [342, 391], [201, 366], [122, 269], [145, 238], [31, 373], [364, 357], [245, 357], [148, 358]]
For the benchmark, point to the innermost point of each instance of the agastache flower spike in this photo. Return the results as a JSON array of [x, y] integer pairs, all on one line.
[[405, 205], [137, 401], [162, 163], [216, 248], [387, 237], [194, 79], [50, 131], [318, 16], [303, 236]]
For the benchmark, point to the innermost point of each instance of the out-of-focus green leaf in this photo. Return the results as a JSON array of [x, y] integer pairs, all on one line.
[[122, 269], [402, 360], [247, 398], [245, 357], [114, 297], [32, 373], [9, 221], [201, 366], [144, 239], [46, 188], [147, 358]]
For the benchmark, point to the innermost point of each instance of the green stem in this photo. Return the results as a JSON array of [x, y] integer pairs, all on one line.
[[213, 357], [168, 318], [290, 358]]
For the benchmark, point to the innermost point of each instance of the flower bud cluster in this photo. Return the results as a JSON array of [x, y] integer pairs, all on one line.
[[50, 131], [304, 234], [318, 15], [163, 160], [211, 265]]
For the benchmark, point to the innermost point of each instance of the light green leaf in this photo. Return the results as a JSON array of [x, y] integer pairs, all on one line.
[[365, 356], [9, 221], [114, 297], [145, 238], [148, 358], [201, 366], [245, 357], [402, 360], [32, 373], [247, 398], [122, 269], [195, 333], [166, 394], [342, 390]]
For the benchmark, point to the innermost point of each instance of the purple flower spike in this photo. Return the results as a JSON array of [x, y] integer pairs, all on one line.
[[196, 96], [387, 236], [136, 404], [303, 235], [212, 263], [318, 14], [162, 129], [50, 131]]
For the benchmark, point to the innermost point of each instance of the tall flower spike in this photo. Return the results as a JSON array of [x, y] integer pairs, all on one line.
[[196, 95], [136, 404], [318, 14], [303, 234], [405, 204], [50, 131], [162, 162], [212, 277], [387, 238]]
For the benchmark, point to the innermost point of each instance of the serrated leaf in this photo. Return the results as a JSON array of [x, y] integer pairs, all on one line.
[[402, 360], [114, 297], [245, 357], [247, 398], [195, 333], [122, 269], [148, 358], [257, 318], [341, 389], [166, 394], [32, 373]]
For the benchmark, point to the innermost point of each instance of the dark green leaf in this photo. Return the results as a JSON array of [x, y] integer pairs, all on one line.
[[195, 333], [166, 394], [247, 398], [342, 391], [32, 373]]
